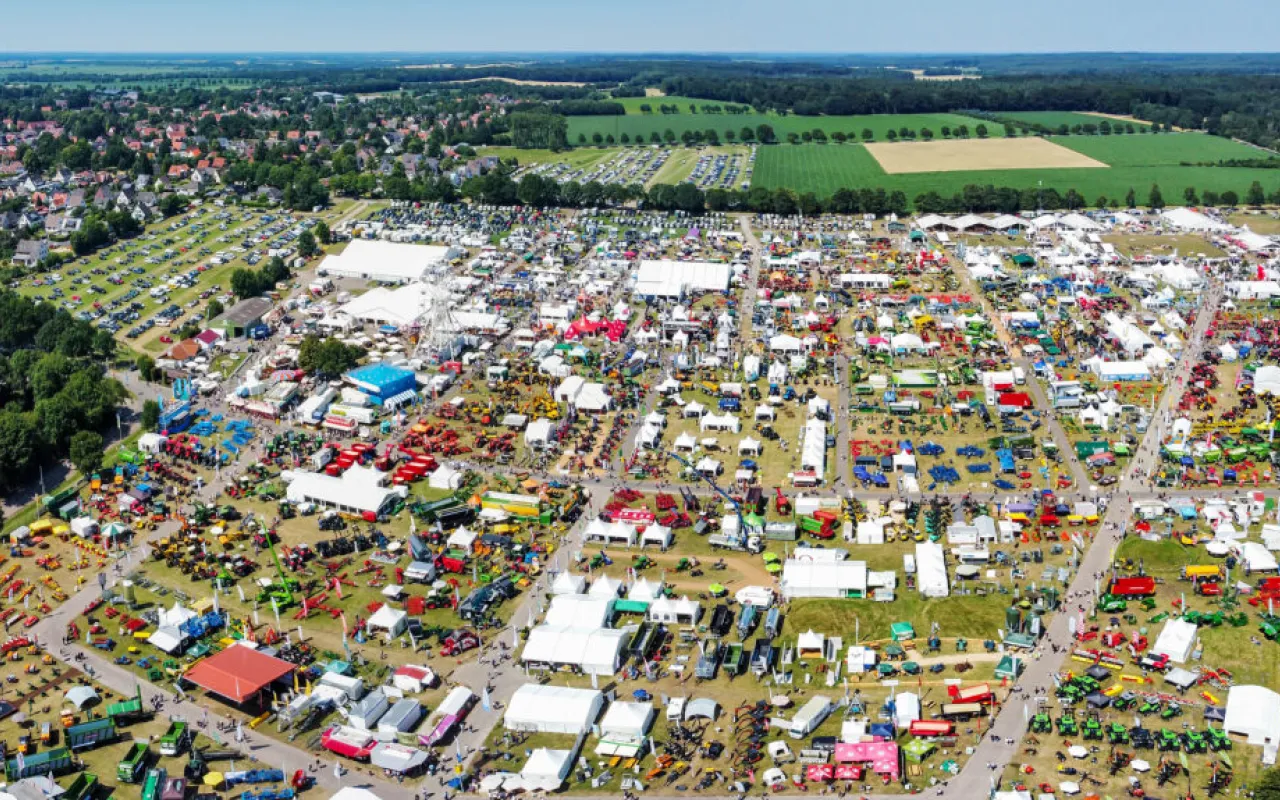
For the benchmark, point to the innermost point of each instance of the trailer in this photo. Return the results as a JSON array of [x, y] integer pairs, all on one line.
[[709, 661], [1138, 586], [82, 787], [735, 660], [130, 768], [809, 717], [174, 740]]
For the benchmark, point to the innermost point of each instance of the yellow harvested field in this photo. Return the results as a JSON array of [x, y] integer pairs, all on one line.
[[519, 83], [959, 155]]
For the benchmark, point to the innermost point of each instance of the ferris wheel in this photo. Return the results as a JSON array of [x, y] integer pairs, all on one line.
[[435, 326]]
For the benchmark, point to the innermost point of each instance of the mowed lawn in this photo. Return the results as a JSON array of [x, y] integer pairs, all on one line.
[[644, 125], [1136, 162], [1171, 149], [1056, 119]]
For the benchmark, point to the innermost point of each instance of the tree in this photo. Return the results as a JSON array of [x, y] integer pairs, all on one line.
[[926, 134], [946, 131], [150, 415], [307, 246], [1073, 199], [146, 367], [747, 135], [1268, 786], [867, 134], [1230, 198], [86, 452], [891, 135], [1255, 196], [322, 232], [327, 357], [1131, 199], [1190, 197], [669, 136], [1154, 198], [981, 131], [171, 204], [765, 134], [214, 309]]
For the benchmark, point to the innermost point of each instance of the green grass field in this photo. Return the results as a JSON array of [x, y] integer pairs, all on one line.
[[581, 158], [1136, 162], [644, 125], [1054, 119], [632, 104], [1154, 151]]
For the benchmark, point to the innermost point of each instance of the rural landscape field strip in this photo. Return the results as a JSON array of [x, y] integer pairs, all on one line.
[[644, 125], [1135, 163]]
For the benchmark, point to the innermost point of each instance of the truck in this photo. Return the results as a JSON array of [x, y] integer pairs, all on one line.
[[735, 660], [130, 768], [809, 717], [1019, 376], [174, 739], [746, 621]]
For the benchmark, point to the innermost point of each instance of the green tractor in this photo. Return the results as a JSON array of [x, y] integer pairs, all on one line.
[[1092, 729], [1194, 742], [1168, 740], [1218, 739], [1040, 723], [1067, 725], [1149, 707], [1117, 734], [1170, 711]]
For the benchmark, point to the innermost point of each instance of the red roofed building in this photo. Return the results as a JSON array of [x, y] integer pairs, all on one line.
[[238, 673]]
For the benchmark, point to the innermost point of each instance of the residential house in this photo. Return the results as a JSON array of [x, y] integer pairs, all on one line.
[[31, 252]]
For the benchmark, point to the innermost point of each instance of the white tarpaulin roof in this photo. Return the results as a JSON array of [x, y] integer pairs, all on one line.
[[675, 278], [546, 769], [627, 719], [823, 579], [568, 583], [931, 570], [593, 650], [578, 611], [1175, 640], [813, 449], [1254, 711], [552, 709]]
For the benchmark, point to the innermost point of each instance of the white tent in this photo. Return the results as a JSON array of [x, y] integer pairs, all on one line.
[[813, 448], [462, 539], [546, 769], [1254, 711], [391, 620], [674, 612], [686, 441], [749, 445], [569, 583], [538, 434], [604, 586], [645, 590], [693, 409], [931, 570], [552, 709], [167, 639], [627, 719], [658, 535], [784, 343], [829, 579], [445, 477], [1176, 640], [615, 533], [579, 611], [591, 650]]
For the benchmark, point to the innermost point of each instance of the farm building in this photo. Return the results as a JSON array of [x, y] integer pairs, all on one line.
[[536, 708], [675, 279], [238, 320], [384, 262]]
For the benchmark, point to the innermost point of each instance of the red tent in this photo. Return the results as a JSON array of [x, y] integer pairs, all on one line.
[[237, 673]]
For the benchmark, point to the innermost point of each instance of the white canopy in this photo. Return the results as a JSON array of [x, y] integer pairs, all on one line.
[[546, 769], [592, 650], [1176, 640], [1254, 711], [627, 719], [552, 709], [391, 620], [568, 583]]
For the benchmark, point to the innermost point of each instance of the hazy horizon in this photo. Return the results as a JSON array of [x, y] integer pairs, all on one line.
[[570, 27]]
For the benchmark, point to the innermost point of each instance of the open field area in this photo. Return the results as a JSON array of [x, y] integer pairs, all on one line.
[[976, 154], [1135, 162], [645, 125], [578, 158]]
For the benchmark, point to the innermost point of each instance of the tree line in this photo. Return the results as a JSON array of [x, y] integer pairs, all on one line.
[[55, 395]]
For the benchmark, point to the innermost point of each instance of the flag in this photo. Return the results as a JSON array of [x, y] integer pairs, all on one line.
[[485, 700], [337, 770], [22, 764], [457, 750], [337, 587]]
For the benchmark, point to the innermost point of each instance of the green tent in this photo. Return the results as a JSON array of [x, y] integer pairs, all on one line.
[[902, 631], [917, 750], [1024, 260]]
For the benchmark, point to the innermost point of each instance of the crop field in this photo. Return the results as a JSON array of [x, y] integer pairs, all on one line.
[[1135, 162], [1056, 119], [644, 125], [958, 155]]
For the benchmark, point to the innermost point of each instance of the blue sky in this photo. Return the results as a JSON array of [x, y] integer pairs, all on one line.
[[841, 26]]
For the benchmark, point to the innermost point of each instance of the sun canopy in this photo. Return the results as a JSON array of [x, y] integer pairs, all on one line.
[[237, 673]]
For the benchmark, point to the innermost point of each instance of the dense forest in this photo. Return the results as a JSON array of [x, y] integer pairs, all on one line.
[[53, 386]]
